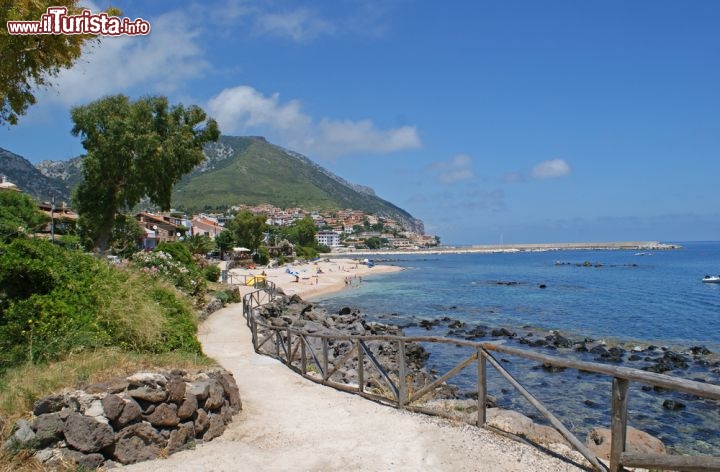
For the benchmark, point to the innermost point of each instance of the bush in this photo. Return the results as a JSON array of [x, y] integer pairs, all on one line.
[[160, 264], [262, 256], [306, 252], [55, 301], [178, 251], [212, 273]]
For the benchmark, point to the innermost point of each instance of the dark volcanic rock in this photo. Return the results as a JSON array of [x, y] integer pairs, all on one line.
[[48, 429], [86, 434], [138, 442], [49, 404], [112, 406]]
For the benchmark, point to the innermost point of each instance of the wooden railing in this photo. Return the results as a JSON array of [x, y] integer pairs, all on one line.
[[288, 341]]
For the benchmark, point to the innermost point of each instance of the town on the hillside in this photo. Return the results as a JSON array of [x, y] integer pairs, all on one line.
[[340, 230]]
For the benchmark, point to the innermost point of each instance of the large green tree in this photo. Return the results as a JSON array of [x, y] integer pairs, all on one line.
[[247, 229], [135, 149], [302, 232], [19, 215], [29, 61]]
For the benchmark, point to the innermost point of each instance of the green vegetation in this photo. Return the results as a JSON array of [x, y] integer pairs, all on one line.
[[19, 215], [30, 61], [258, 172], [134, 150], [247, 230]]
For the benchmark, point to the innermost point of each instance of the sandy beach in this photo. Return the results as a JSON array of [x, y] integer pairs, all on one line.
[[315, 279], [290, 423]]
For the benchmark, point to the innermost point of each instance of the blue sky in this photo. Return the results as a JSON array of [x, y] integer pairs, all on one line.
[[520, 121]]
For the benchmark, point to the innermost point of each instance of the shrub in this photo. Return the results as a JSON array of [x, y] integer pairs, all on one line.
[[212, 273], [178, 251], [55, 301], [262, 256], [160, 264]]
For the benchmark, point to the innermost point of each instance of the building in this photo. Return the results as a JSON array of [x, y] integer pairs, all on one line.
[[157, 229], [328, 238], [7, 186], [204, 225]]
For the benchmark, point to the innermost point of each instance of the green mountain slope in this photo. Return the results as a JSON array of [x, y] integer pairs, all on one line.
[[252, 171]]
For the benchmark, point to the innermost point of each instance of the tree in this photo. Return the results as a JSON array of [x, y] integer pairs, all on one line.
[[302, 232], [29, 61], [134, 150], [126, 234], [224, 241], [19, 215], [247, 229], [199, 244]]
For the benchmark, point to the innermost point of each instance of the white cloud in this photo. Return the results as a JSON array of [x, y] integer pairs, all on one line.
[[160, 62], [242, 109], [300, 24], [551, 169], [457, 169]]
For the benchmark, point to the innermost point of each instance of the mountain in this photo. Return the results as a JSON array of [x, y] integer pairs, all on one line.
[[30, 180], [251, 170]]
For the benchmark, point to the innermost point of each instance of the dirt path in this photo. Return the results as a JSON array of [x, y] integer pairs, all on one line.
[[291, 423]]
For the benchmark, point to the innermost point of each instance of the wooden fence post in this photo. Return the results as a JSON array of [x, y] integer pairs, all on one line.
[[402, 372], [482, 388], [361, 367], [289, 347], [618, 422], [303, 355], [325, 358]]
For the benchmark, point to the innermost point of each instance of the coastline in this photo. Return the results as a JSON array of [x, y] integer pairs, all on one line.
[[505, 248], [318, 278]]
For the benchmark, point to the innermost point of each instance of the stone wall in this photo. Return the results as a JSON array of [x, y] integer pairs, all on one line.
[[128, 420]]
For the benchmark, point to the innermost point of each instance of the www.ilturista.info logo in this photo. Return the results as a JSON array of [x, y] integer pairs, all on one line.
[[57, 21]]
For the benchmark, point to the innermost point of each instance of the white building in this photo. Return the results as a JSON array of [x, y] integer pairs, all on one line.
[[328, 238]]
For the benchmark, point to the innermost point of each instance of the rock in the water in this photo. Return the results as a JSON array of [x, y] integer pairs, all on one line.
[[86, 434], [673, 405]]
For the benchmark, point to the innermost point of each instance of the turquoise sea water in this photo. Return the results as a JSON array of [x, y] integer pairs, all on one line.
[[620, 296]]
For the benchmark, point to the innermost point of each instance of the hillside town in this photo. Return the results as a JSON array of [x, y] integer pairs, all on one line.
[[341, 230]]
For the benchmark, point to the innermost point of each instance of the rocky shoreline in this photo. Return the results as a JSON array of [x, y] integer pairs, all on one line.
[[452, 401]]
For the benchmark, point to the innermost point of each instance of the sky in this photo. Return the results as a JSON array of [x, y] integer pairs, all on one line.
[[492, 121]]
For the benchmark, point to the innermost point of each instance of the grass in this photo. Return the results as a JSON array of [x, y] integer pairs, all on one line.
[[21, 386]]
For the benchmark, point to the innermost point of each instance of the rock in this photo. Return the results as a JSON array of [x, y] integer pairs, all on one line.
[[49, 404], [151, 379], [598, 441], [95, 410], [187, 407], [130, 413], [227, 381], [83, 461], [673, 405], [48, 429], [113, 406], [180, 437], [176, 390], [148, 394], [138, 442], [700, 351], [165, 415], [199, 388], [215, 396], [508, 420], [24, 436], [216, 426], [202, 421], [558, 340], [502, 332], [346, 310], [86, 434]]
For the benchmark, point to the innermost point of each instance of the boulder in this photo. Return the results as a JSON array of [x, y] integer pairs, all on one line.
[[176, 390], [199, 388], [215, 396], [113, 406], [180, 437], [201, 422], [82, 461], [49, 404], [48, 429], [22, 437], [138, 442], [130, 413], [86, 434], [165, 415], [187, 407], [599, 439], [149, 394], [227, 381], [216, 426]]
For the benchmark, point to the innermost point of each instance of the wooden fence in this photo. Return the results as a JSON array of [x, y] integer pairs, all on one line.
[[294, 348]]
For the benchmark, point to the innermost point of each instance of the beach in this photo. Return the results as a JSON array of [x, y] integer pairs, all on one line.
[[291, 423], [315, 279]]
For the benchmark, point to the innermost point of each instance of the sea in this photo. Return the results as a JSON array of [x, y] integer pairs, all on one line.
[[634, 299]]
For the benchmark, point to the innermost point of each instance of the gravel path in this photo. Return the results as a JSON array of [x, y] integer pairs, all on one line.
[[291, 423]]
